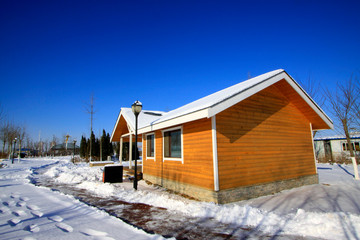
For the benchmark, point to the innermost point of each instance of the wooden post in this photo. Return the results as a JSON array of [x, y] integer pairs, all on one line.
[[121, 150]]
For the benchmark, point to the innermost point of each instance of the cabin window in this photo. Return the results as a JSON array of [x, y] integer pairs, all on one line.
[[355, 146], [172, 144], [150, 146]]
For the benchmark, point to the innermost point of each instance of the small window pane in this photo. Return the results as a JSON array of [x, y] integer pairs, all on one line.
[[150, 146], [357, 147], [166, 144], [176, 144], [172, 144]]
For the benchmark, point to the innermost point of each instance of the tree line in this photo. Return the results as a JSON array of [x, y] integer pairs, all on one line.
[[101, 147]]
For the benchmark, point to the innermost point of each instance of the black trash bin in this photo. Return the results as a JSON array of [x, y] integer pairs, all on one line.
[[113, 174]]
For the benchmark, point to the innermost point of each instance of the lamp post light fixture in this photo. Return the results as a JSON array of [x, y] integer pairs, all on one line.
[[136, 108], [12, 159]]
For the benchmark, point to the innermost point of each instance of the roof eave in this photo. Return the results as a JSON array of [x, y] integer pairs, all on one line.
[[116, 124], [221, 106], [203, 113]]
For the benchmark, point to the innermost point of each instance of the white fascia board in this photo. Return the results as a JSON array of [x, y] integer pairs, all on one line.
[[129, 124], [215, 109], [231, 101], [116, 124], [309, 101], [176, 121]]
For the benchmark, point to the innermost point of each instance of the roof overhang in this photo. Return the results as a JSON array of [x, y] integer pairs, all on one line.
[[117, 133], [238, 97]]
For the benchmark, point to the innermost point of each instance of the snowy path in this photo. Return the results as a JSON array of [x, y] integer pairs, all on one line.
[[154, 219], [30, 212]]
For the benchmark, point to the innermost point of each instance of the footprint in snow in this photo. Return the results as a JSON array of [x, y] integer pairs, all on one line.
[[4, 210], [19, 213], [25, 199], [15, 195], [32, 207], [56, 218], [92, 232], [32, 228], [21, 204], [9, 203], [65, 227], [14, 221], [37, 213]]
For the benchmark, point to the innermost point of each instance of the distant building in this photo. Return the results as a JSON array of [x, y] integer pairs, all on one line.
[[64, 149], [335, 148], [26, 152]]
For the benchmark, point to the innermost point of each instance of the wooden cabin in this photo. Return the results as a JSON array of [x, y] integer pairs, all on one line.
[[251, 139]]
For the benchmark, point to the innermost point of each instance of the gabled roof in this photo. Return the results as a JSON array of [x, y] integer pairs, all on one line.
[[144, 119], [215, 103]]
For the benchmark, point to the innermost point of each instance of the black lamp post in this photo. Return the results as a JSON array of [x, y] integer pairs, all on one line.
[[136, 108], [12, 160], [74, 150]]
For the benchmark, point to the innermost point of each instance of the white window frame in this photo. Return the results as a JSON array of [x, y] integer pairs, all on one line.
[[152, 158], [182, 144]]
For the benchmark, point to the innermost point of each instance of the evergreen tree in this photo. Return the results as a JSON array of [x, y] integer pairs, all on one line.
[[110, 146], [93, 147], [83, 147], [96, 148], [104, 146]]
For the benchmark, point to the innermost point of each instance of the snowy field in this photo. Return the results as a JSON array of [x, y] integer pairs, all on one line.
[[329, 210]]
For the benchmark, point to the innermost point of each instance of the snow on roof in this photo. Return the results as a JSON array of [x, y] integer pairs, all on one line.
[[145, 118], [212, 104], [217, 97], [337, 137]]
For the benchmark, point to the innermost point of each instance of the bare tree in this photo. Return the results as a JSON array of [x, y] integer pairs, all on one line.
[[4, 131], [21, 137], [90, 110], [342, 103], [46, 146], [54, 141], [357, 105], [12, 133], [312, 88]]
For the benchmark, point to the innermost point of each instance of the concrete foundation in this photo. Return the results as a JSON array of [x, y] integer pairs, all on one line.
[[234, 194]]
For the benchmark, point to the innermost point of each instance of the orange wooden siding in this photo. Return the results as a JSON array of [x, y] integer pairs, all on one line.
[[299, 102], [198, 161], [120, 130], [264, 138]]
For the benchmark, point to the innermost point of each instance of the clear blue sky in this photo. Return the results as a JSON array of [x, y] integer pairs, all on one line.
[[54, 54]]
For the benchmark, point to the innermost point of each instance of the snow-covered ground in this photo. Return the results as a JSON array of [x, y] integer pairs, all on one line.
[[329, 210], [30, 212]]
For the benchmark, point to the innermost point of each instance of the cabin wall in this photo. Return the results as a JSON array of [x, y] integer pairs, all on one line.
[[196, 167], [263, 139]]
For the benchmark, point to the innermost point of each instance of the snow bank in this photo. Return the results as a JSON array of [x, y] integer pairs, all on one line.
[[325, 223]]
